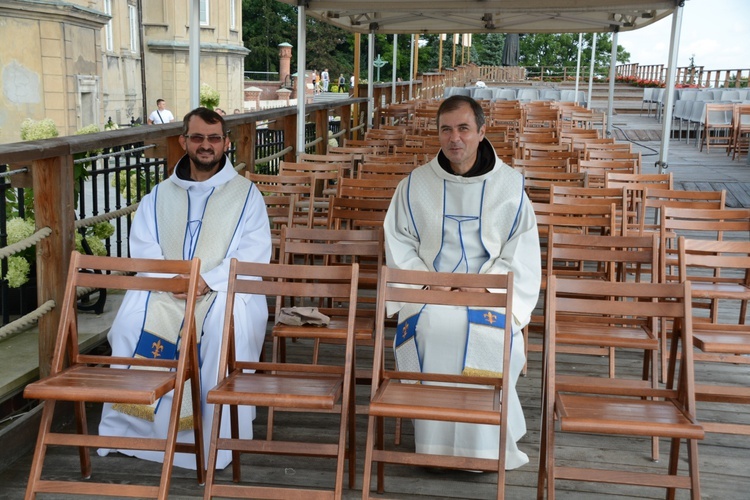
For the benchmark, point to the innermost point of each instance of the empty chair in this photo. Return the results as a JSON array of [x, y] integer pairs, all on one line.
[[717, 127], [528, 94], [741, 135], [505, 94], [549, 95], [134, 385], [300, 386], [586, 402], [646, 100], [483, 94]]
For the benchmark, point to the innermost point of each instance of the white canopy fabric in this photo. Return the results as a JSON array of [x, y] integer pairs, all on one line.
[[487, 16]]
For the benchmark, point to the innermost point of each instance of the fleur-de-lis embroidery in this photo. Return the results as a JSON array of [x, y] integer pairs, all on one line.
[[491, 318], [157, 347], [405, 329]]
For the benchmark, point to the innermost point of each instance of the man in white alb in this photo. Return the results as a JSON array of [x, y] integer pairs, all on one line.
[[161, 114], [204, 209], [465, 212]]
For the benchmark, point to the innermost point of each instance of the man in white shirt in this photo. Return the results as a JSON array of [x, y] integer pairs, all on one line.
[[161, 114], [326, 79]]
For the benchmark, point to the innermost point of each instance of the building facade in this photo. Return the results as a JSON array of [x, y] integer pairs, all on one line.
[[83, 62]]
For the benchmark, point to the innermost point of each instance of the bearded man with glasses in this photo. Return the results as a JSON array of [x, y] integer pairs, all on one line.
[[206, 210]]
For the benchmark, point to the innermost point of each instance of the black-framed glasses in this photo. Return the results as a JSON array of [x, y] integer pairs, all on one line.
[[199, 138]]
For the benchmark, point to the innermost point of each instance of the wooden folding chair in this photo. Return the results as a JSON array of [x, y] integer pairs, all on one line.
[[655, 199], [88, 378], [720, 273], [586, 402], [298, 386], [396, 395]]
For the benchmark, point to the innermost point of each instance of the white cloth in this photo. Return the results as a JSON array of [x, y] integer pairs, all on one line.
[[251, 241], [326, 80], [161, 116], [442, 222]]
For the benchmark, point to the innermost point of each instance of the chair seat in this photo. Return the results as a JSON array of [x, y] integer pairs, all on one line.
[[614, 336], [336, 329], [98, 384], [436, 402], [722, 339], [615, 415], [279, 390], [735, 291]]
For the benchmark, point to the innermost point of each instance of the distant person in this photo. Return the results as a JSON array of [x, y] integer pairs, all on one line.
[[342, 83], [161, 114], [220, 111], [236, 111], [326, 79]]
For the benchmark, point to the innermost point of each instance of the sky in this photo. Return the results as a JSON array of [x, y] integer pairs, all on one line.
[[715, 32]]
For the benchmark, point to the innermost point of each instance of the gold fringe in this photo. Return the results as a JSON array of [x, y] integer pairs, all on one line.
[[144, 412], [186, 424], [476, 372]]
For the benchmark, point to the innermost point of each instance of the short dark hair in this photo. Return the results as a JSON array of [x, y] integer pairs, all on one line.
[[159, 100], [207, 115], [455, 101]]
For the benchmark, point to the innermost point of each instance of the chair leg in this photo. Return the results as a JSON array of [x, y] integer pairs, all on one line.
[[213, 452], [352, 453], [695, 490], [234, 424], [381, 446], [40, 451], [198, 435], [82, 428], [674, 459], [369, 445]]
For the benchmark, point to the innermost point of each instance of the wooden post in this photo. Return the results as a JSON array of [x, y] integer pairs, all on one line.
[[321, 130], [290, 136], [355, 92], [174, 152], [346, 120], [244, 142], [55, 209]]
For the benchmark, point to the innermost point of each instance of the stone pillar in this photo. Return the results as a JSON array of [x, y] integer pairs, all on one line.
[[252, 94], [283, 95], [285, 62]]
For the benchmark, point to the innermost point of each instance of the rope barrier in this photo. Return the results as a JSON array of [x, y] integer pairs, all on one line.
[[25, 243], [14, 172], [26, 320], [122, 152], [90, 221]]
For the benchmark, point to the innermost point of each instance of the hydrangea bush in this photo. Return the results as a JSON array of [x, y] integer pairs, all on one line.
[[208, 96]]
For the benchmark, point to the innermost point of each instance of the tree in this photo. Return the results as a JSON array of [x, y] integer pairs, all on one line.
[[266, 24]]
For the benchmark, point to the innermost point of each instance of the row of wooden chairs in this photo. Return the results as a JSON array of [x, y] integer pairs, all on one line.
[[280, 384]]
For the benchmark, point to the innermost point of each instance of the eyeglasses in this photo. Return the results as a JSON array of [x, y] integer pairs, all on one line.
[[199, 138]]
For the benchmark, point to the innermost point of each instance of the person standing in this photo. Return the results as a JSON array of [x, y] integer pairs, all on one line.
[[204, 209], [464, 212], [342, 83], [161, 114], [326, 79]]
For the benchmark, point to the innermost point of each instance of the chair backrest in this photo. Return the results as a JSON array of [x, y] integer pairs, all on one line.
[[382, 187], [602, 257], [98, 272], [332, 246], [357, 213], [707, 224], [538, 183], [597, 169], [655, 199]]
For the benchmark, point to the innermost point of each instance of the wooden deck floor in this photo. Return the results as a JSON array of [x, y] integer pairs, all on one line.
[[724, 460]]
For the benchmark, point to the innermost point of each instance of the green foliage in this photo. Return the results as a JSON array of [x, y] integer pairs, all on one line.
[[266, 24], [19, 265], [33, 130], [209, 97]]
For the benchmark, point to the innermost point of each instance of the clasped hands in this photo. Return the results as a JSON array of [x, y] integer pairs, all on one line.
[[203, 287]]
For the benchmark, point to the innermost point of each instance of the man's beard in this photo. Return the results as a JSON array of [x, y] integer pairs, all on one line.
[[205, 166]]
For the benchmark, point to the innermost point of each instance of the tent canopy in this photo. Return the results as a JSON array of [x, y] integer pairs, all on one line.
[[487, 16]]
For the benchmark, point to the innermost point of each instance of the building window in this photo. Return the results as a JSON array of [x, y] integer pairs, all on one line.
[[233, 14], [204, 12], [133, 13], [108, 43]]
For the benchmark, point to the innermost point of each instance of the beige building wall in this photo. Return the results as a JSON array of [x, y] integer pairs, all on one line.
[[49, 65], [55, 63], [167, 60]]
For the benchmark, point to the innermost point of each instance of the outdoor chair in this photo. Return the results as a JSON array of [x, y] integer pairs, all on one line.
[[588, 403], [91, 378], [297, 386], [720, 273], [430, 396]]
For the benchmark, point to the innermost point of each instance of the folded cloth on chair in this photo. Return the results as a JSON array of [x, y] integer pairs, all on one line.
[[298, 316]]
